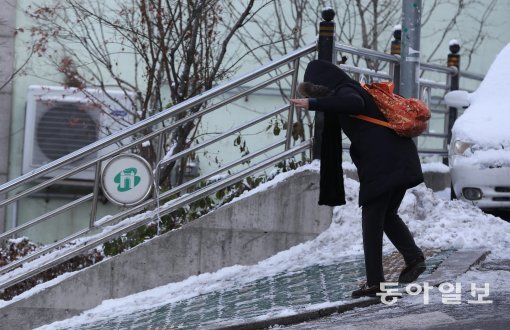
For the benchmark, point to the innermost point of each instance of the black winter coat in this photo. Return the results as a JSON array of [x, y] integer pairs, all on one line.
[[383, 159]]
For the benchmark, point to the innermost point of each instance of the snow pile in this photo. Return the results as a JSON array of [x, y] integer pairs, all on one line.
[[439, 223], [435, 223]]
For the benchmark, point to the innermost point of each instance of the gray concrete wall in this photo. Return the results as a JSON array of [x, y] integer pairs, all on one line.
[[437, 181], [7, 23], [243, 232]]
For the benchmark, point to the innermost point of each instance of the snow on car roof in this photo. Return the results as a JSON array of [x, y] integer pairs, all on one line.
[[487, 120]]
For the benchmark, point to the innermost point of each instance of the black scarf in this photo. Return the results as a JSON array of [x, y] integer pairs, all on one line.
[[332, 191]]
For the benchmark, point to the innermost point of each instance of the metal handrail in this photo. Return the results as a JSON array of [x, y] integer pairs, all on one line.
[[365, 71], [366, 53], [157, 118], [175, 204], [438, 68], [225, 134], [139, 207], [79, 168], [94, 226], [142, 206], [45, 216], [145, 204], [471, 75], [427, 83]]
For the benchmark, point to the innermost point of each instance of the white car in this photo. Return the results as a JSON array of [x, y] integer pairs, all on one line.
[[479, 153]]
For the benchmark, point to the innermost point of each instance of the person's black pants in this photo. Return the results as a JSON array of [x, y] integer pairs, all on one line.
[[378, 216]]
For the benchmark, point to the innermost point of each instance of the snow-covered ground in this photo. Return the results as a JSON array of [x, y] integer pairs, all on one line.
[[435, 221]]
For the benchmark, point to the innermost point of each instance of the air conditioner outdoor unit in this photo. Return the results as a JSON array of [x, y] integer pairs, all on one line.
[[62, 120]]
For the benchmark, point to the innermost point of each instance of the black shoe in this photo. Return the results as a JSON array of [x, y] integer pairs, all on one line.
[[366, 291], [412, 270]]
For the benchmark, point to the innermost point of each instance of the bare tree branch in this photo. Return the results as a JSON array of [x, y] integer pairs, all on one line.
[[178, 49]]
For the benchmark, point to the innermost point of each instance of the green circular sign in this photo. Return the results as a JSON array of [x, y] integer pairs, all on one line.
[[127, 179]]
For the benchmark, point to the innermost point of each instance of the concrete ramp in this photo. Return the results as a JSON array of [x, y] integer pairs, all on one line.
[[282, 298], [244, 232]]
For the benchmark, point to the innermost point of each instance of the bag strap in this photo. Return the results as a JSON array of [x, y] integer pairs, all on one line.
[[385, 87], [372, 120]]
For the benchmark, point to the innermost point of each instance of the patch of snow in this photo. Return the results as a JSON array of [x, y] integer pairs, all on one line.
[[18, 240], [313, 166], [435, 168], [348, 166], [453, 42]]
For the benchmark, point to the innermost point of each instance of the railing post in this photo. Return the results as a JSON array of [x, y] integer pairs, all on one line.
[[395, 50], [453, 60], [325, 46]]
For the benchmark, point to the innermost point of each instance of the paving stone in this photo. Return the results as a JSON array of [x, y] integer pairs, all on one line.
[[458, 263]]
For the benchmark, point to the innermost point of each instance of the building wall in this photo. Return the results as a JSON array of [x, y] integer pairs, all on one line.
[[7, 23]]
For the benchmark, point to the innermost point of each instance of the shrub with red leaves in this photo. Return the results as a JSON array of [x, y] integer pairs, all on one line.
[[13, 250]]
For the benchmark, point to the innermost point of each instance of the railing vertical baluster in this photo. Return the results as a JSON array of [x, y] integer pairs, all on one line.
[[292, 108], [93, 208], [395, 50], [160, 151], [156, 172]]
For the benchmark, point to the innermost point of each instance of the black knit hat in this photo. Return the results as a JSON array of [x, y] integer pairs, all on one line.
[[320, 72]]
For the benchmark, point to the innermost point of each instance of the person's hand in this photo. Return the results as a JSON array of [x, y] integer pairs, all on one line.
[[300, 103]]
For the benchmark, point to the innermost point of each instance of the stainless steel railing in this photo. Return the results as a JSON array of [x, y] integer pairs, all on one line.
[[284, 69], [98, 231]]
